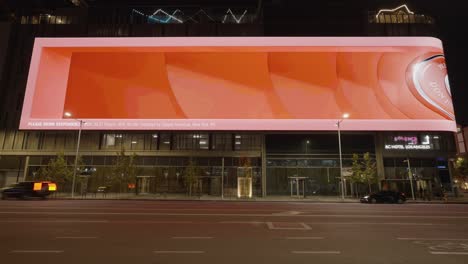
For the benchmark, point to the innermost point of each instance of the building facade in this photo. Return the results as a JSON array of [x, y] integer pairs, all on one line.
[[272, 158]]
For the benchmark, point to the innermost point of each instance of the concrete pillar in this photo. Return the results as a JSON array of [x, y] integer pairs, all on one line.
[[26, 168], [264, 179], [379, 145]]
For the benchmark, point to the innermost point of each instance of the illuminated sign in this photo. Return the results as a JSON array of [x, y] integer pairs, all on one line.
[[400, 147], [408, 139], [238, 83]]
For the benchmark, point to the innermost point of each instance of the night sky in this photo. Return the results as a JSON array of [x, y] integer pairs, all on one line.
[[454, 33]]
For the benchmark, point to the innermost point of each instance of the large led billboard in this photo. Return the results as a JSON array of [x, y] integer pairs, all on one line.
[[238, 83]]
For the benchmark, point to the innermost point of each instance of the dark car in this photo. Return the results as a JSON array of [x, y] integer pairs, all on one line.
[[384, 197], [102, 189], [23, 190]]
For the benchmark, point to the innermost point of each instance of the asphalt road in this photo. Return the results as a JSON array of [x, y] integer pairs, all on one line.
[[64, 231]]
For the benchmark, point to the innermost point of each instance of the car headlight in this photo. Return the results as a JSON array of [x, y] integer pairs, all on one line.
[[366, 197]]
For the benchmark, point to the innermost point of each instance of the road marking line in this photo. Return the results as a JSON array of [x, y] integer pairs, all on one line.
[[370, 223], [151, 222], [434, 239], [192, 237], [447, 253], [300, 238], [286, 213], [37, 251], [304, 226], [64, 237], [316, 252], [242, 222], [179, 252], [54, 221]]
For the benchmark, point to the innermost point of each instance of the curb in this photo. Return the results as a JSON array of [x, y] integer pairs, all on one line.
[[244, 200]]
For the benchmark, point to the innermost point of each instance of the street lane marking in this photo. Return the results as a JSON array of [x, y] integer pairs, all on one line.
[[448, 253], [54, 221], [434, 239], [316, 252], [303, 226], [304, 238], [192, 237], [287, 213], [151, 222], [242, 222], [374, 223], [337, 223], [65, 237], [179, 252], [37, 251]]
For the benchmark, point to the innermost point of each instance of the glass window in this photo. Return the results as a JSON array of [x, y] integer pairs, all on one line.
[[149, 161], [112, 141], [137, 142], [191, 141], [329, 162], [222, 142], [301, 163], [247, 142], [99, 160], [427, 163], [165, 141], [389, 162]]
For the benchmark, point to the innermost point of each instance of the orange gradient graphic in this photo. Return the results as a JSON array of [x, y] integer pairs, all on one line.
[[253, 85]]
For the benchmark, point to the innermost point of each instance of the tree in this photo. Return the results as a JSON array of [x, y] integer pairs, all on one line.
[[357, 170], [57, 170], [370, 170], [191, 175], [125, 169], [364, 171], [461, 169]]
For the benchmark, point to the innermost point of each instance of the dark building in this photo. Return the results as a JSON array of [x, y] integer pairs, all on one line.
[[271, 157]]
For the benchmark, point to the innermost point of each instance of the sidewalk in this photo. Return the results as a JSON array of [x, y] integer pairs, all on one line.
[[275, 198]]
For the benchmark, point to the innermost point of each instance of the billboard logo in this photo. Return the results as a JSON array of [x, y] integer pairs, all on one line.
[[428, 81]]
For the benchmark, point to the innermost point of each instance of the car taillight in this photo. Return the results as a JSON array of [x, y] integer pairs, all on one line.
[[52, 187], [37, 186], [403, 194]]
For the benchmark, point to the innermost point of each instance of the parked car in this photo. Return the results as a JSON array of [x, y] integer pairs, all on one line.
[[384, 197], [29, 189]]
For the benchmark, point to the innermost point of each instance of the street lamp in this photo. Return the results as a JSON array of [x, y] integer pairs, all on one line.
[[410, 175], [343, 185], [68, 114]]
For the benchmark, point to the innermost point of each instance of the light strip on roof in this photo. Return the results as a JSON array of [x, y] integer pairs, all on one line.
[[234, 16], [395, 9]]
